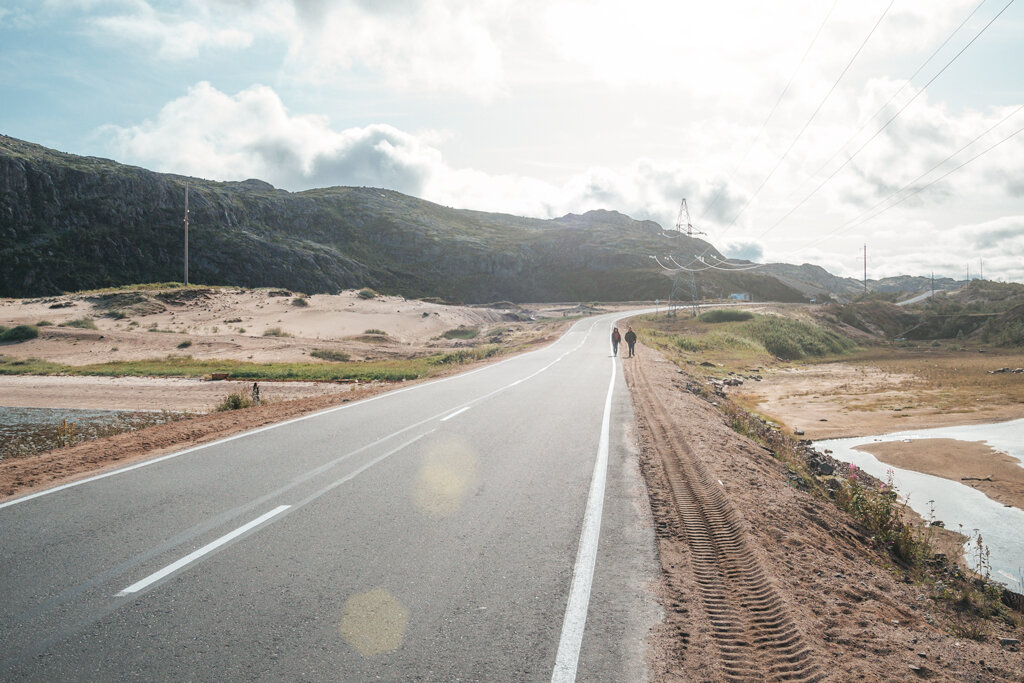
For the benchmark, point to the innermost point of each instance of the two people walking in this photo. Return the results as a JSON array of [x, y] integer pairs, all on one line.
[[616, 338]]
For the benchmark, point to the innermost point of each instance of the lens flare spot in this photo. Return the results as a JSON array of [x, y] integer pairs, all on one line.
[[374, 622], [448, 471]]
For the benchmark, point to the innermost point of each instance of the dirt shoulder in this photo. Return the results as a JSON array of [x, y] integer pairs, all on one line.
[[851, 614]]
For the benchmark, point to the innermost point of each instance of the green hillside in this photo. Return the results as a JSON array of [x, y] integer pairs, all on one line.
[[69, 223]]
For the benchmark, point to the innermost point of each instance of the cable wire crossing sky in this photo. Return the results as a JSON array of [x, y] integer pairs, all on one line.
[[786, 125]]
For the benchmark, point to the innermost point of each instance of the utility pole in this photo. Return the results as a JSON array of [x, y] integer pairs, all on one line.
[[865, 269], [186, 232]]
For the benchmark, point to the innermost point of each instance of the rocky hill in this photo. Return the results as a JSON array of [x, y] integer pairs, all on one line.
[[815, 281], [69, 223]]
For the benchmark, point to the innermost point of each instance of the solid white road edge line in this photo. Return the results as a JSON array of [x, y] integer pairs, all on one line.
[[586, 557], [209, 547]]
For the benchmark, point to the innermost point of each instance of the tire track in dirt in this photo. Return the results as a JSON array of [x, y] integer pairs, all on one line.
[[756, 637]]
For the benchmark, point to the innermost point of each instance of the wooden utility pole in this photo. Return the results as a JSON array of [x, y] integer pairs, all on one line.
[[865, 269], [186, 232]]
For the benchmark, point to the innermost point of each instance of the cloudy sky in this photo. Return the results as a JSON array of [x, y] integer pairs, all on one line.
[[797, 131]]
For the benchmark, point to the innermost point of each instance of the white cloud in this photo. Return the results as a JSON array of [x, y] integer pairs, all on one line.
[[747, 250], [418, 46], [410, 45], [211, 134]]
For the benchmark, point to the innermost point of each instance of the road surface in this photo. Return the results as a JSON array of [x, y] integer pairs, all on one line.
[[488, 526]]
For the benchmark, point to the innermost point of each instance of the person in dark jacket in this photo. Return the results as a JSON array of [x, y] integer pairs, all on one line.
[[616, 338], [630, 340]]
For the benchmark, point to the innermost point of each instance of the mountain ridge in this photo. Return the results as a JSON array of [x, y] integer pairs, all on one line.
[[70, 222]]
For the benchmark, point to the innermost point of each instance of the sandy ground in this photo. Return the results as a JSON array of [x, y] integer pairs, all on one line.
[[229, 323], [145, 393], [764, 582], [974, 463], [837, 400]]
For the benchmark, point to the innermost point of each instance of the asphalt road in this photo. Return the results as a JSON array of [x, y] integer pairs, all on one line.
[[446, 531]]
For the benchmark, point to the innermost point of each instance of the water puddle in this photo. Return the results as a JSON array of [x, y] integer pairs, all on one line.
[[956, 504], [25, 431]]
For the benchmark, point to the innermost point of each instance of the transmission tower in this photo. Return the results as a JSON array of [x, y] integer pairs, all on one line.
[[684, 226], [683, 223]]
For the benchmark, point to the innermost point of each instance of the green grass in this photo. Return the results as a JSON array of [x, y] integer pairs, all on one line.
[[725, 315], [234, 401], [83, 323], [331, 355], [147, 287], [275, 332], [462, 333], [19, 333], [789, 339], [186, 366]]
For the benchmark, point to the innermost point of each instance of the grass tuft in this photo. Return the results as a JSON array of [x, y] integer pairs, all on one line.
[[462, 333], [19, 333], [725, 315], [234, 401], [83, 323], [329, 354]]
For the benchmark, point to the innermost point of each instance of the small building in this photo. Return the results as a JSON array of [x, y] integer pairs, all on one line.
[[742, 296]]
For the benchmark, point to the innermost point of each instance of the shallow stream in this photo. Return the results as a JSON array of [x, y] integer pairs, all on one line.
[[959, 506]]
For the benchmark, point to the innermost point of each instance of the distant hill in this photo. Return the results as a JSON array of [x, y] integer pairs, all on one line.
[[69, 223], [815, 281]]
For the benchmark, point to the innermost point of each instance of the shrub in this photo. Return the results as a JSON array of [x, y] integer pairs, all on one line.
[[19, 333], [234, 401], [83, 323], [185, 344], [725, 315], [792, 339], [275, 332], [461, 333], [299, 301], [366, 293], [329, 354], [374, 330], [43, 323]]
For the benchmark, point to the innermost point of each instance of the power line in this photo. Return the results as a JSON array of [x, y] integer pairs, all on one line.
[[885, 125], [857, 220], [901, 88], [764, 124], [812, 117]]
